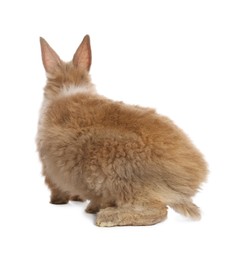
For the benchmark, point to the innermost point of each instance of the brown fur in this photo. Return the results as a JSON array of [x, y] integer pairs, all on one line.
[[129, 161]]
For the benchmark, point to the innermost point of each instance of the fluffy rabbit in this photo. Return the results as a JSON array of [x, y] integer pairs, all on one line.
[[128, 161]]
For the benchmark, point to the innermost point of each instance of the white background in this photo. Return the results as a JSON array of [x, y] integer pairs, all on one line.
[[184, 58]]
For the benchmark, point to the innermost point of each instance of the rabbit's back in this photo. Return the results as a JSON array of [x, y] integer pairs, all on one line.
[[97, 146]]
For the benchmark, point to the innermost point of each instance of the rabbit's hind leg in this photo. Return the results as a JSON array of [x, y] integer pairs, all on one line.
[[132, 215]]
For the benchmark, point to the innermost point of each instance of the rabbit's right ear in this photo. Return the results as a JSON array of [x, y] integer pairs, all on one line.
[[49, 57], [82, 56]]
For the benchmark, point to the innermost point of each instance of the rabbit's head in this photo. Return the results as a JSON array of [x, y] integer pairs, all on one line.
[[67, 78]]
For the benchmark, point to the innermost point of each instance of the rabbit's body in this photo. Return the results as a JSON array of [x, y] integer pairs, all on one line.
[[127, 160]]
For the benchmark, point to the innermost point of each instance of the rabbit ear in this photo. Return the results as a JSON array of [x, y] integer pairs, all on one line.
[[82, 56], [49, 57]]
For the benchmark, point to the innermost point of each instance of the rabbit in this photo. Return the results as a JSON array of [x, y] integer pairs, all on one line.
[[129, 162]]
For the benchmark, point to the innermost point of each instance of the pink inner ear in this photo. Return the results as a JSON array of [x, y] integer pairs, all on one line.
[[50, 64], [82, 57], [49, 57]]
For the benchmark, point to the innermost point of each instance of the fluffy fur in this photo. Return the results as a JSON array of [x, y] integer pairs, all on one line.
[[128, 161]]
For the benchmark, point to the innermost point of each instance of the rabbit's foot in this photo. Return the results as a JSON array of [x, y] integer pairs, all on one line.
[[92, 207], [59, 199], [131, 216]]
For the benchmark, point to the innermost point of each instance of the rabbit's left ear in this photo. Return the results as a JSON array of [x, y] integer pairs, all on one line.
[[82, 56], [49, 57]]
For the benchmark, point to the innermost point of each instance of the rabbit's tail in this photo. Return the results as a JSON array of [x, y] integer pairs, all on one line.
[[187, 208]]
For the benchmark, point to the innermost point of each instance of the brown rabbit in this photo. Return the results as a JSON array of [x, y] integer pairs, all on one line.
[[129, 161]]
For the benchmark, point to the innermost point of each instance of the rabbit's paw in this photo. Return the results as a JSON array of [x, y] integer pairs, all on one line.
[[108, 217], [58, 200], [92, 208]]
